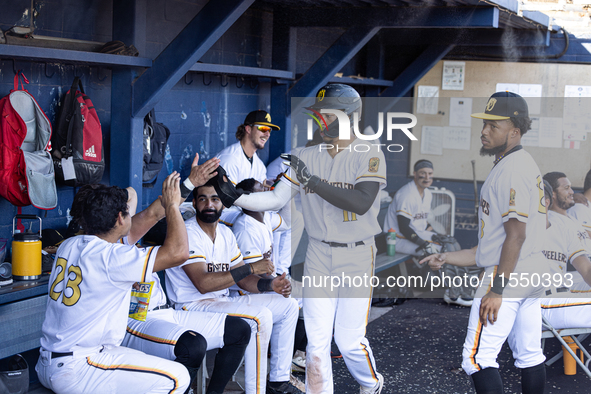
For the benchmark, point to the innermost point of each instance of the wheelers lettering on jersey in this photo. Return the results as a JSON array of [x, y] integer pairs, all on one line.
[[215, 267]]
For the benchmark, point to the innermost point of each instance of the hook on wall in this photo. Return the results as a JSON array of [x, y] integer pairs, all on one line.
[[222, 77], [188, 83], [98, 74], [210, 80], [251, 84], [241, 85], [47, 68]]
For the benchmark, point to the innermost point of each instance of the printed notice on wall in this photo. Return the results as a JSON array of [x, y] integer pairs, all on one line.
[[550, 133], [456, 138], [428, 100], [459, 111], [432, 140], [453, 75]]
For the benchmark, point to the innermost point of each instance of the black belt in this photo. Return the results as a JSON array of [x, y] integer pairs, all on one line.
[[341, 245], [558, 290], [165, 306], [56, 355]]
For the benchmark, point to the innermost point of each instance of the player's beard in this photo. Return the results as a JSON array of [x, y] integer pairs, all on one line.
[[209, 215], [494, 150], [564, 204]]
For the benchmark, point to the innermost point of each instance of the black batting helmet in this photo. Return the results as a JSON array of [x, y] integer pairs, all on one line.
[[337, 96]]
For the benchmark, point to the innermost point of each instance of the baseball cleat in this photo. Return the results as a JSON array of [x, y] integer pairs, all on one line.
[[298, 363], [456, 301], [284, 388], [377, 389]]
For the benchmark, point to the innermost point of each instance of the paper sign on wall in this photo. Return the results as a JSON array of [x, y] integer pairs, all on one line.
[[453, 75]]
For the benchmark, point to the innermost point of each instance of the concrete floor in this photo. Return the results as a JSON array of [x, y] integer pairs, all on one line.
[[417, 347]]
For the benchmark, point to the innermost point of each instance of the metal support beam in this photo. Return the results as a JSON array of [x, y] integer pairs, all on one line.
[[468, 37], [284, 58], [126, 135], [415, 71], [208, 26], [398, 17], [331, 62]]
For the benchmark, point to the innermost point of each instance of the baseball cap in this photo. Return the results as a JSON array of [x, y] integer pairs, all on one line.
[[504, 105], [260, 117]]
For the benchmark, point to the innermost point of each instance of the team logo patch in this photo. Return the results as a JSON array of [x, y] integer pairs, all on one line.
[[268, 117], [512, 198], [491, 104], [320, 96], [374, 164]]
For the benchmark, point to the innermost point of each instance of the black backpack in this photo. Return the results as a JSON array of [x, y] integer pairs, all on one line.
[[155, 139], [78, 139]]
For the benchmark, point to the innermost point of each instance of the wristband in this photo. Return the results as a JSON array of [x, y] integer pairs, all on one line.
[[264, 285], [241, 272], [186, 188], [498, 285], [313, 182]]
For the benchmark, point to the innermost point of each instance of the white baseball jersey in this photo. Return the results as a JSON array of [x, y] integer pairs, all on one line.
[[581, 213], [238, 167], [360, 162], [219, 256], [562, 243], [578, 231], [90, 291], [513, 190], [409, 203], [255, 239]]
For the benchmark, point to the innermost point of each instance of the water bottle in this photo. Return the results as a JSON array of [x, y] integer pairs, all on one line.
[[168, 160], [391, 242]]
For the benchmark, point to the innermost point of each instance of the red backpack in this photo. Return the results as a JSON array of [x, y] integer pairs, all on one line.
[[26, 167]]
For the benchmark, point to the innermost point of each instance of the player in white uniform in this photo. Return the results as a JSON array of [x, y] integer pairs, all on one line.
[[89, 295], [181, 335], [338, 182], [581, 210], [512, 223], [563, 247], [202, 283]]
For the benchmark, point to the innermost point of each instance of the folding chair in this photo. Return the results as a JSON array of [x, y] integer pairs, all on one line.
[[548, 332]]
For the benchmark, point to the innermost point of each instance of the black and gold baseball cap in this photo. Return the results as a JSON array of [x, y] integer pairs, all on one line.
[[260, 117], [504, 105]]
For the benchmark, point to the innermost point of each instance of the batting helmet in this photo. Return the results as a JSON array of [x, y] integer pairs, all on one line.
[[337, 96]]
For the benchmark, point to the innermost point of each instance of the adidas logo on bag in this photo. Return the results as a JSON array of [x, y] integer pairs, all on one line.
[[90, 152]]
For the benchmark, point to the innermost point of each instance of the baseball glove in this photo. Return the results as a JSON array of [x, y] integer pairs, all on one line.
[[225, 189]]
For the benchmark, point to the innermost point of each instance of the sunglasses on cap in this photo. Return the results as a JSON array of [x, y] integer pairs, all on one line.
[[260, 127]]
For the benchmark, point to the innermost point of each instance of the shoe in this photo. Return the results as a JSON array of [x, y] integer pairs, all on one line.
[[285, 388], [457, 301], [298, 363], [377, 389], [297, 383]]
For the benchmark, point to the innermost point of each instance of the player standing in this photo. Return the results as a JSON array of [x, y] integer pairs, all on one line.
[[89, 295], [581, 210], [338, 182], [511, 218]]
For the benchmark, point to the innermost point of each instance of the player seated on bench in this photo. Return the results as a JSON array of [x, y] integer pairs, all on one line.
[[566, 303], [89, 297], [179, 335], [215, 264]]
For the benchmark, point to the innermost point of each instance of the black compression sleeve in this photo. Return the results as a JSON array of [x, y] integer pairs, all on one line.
[[264, 285], [357, 200], [407, 231], [241, 272]]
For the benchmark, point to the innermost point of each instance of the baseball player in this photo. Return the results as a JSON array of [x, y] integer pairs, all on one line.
[[185, 336], [408, 213], [202, 283], [89, 296], [563, 199], [512, 220], [581, 210], [563, 247], [338, 182]]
